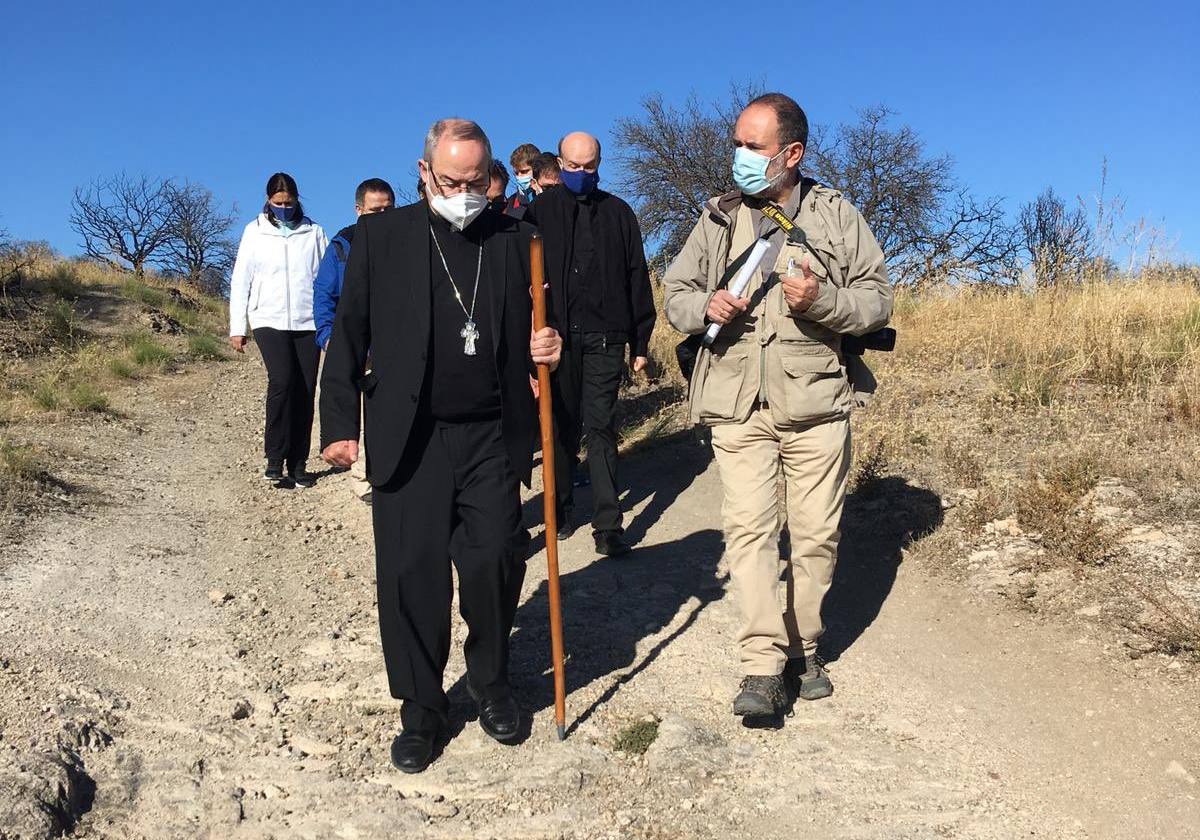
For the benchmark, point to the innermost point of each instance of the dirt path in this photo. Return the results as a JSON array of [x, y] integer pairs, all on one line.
[[205, 646]]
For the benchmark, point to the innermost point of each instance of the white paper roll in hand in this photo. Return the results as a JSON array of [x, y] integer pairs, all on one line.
[[740, 282]]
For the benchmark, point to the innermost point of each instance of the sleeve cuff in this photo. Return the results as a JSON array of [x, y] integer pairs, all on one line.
[[823, 305]]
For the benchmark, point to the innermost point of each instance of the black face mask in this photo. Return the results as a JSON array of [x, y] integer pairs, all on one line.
[[499, 203]]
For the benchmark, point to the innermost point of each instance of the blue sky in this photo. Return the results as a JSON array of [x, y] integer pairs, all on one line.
[[1022, 94]]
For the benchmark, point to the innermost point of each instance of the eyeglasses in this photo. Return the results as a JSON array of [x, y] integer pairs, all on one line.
[[449, 186]]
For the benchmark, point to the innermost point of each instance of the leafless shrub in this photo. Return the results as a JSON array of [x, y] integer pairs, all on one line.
[[1057, 239]]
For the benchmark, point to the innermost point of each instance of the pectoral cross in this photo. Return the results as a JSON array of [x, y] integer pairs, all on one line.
[[470, 335]]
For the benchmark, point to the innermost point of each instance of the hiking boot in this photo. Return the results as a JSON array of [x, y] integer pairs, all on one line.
[[807, 678], [610, 544], [760, 697], [274, 471]]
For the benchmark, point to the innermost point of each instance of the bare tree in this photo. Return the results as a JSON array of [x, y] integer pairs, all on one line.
[[124, 221], [676, 158], [1057, 240], [198, 246], [969, 240], [930, 228], [10, 265], [885, 173]]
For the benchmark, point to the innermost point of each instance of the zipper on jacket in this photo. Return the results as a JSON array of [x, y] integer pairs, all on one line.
[[287, 284], [763, 397]]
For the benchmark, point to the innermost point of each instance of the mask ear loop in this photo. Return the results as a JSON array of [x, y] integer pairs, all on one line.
[[782, 172]]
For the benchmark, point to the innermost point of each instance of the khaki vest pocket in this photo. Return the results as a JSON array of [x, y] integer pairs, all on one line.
[[723, 382], [807, 388], [791, 327]]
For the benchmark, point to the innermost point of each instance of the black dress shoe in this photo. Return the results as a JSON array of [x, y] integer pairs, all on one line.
[[412, 751], [500, 719], [610, 544], [565, 525]]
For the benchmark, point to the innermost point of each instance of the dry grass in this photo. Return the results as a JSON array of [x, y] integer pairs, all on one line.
[[72, 336], [664, 366], [1132, 334], [67, 325], [21, 472], [1050, 506], [1018, 403]]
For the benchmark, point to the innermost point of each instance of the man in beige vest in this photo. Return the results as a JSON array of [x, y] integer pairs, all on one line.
[[775, 389]]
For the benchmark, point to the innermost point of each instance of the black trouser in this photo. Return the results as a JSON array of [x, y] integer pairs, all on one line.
[[292, 358], [454, 498], [585, 399]]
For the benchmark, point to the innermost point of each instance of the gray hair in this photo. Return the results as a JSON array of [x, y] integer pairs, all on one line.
[[458, 129]]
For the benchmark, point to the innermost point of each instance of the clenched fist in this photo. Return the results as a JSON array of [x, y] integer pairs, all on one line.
[[340, 453], [800, 290]]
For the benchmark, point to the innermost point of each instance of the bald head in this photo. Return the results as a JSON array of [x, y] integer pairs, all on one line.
[[457, 157], [579, 150], [455, 129]]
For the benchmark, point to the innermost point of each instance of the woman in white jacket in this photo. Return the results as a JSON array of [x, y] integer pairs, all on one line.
[[272, 286]]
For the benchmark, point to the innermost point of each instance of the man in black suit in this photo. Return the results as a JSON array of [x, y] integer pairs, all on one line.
[[438, 294], [600, 291]]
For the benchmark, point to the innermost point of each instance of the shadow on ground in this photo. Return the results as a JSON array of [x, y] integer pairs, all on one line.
[[611, 605], [881, 518]]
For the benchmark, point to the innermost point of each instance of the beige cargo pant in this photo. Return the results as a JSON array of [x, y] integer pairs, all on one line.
[[781, 600]]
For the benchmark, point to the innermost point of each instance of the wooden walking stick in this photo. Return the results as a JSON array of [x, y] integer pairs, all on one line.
[[537, 288]]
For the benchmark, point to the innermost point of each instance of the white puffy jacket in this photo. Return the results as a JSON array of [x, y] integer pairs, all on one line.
[[273, 274]]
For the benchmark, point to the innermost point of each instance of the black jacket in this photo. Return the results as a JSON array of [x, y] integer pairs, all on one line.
[[628, 299], [386, 307]]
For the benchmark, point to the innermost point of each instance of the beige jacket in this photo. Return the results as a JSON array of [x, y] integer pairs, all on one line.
[[793, 363]]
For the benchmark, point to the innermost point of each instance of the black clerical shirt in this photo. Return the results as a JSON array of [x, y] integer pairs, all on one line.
[[461, 387], [586, 302]]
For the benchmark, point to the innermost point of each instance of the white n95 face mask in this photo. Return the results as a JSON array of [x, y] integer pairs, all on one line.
[[459, 209]]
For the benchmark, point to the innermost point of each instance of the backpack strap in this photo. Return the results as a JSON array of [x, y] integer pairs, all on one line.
[[339, 248]]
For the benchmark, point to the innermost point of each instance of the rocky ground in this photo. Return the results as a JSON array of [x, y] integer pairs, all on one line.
[[187, 652]]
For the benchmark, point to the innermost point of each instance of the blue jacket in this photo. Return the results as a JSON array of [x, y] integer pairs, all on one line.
[[327, 285]]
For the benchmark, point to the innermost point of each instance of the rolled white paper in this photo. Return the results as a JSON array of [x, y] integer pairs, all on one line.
[[740, 282]]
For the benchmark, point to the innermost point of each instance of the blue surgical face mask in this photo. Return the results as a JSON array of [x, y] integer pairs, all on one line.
[[580, 181], [750, 171], [524, 183]]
